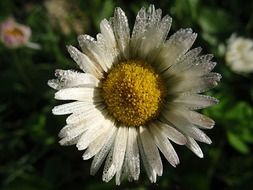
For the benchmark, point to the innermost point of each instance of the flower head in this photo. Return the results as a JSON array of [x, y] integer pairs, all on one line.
[[239, 55], [66, 15], [136, 94], [14, 35]]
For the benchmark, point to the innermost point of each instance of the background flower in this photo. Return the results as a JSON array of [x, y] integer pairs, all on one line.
[[13, 34], [239, 54], [67, 16]]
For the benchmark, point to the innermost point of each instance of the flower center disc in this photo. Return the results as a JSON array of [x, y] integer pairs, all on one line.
[[133, 92]]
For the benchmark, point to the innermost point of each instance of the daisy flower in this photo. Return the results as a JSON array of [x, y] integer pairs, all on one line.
[[14, 35], [136, 94], [239, 55]]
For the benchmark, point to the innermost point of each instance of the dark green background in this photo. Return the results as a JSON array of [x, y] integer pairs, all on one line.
[[32, 159]]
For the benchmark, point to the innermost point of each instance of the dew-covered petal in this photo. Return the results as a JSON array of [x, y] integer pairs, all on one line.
[[200, 120], [89, 113], [107, 32], [85, 63], [74, 107], [64, 130], [109, 168], [172, 133], [92, 133], [95, 51], [123, 173], [194, 147], [132, 154], [101, 155], [68, 78], [120, 150], [69, 141], [177, 45], [195, 101], [73, 130], [70, 132], [151, 151], [185, 61], [140, 24], [110, 44], [202, 68], [148, 33], [96, 145], [192, 84], [149, 170], [81, 94], [164, 145], [176, 117], [121, 31]]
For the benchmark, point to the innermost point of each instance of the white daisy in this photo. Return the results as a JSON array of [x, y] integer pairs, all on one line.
[[136, 94], [239, 55]]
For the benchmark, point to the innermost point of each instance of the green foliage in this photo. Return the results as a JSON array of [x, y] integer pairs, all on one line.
[[31, 158]]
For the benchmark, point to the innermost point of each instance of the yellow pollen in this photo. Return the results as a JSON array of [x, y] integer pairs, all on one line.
[[14, 32], [133, 92]]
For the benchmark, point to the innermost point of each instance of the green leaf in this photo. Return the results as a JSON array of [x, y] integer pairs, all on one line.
[[237, 143], [213, 20]]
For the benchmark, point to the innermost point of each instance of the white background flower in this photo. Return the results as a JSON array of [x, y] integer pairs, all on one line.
[[239, 55], [138, 93]]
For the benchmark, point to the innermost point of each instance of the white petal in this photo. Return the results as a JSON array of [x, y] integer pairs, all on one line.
[[120, 151], [148, 33], [63, 131], [195, 101], [149, 170], [185, 62], [121, 31], [194, 147], [164, 145], [176, 46], [109, 54], [192, 84], [101, 155], [109, 168], [124, 172], [200, 120], [68, 78], [132, 154], [84, 62], [140, 24], [98, 127], [151, 151], [108, 34], [90, 114], [96, 145], [72, 133], [202, 67], [69, 141], [92, 49], [172, 133], [176, 117], [192, 65], [110, 41], [73, 107], [81, 94]]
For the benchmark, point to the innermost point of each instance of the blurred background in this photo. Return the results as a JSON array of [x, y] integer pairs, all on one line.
[[30, 156]]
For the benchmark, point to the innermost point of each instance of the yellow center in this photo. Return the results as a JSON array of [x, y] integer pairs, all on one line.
[[133, 92], [14, 32]]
